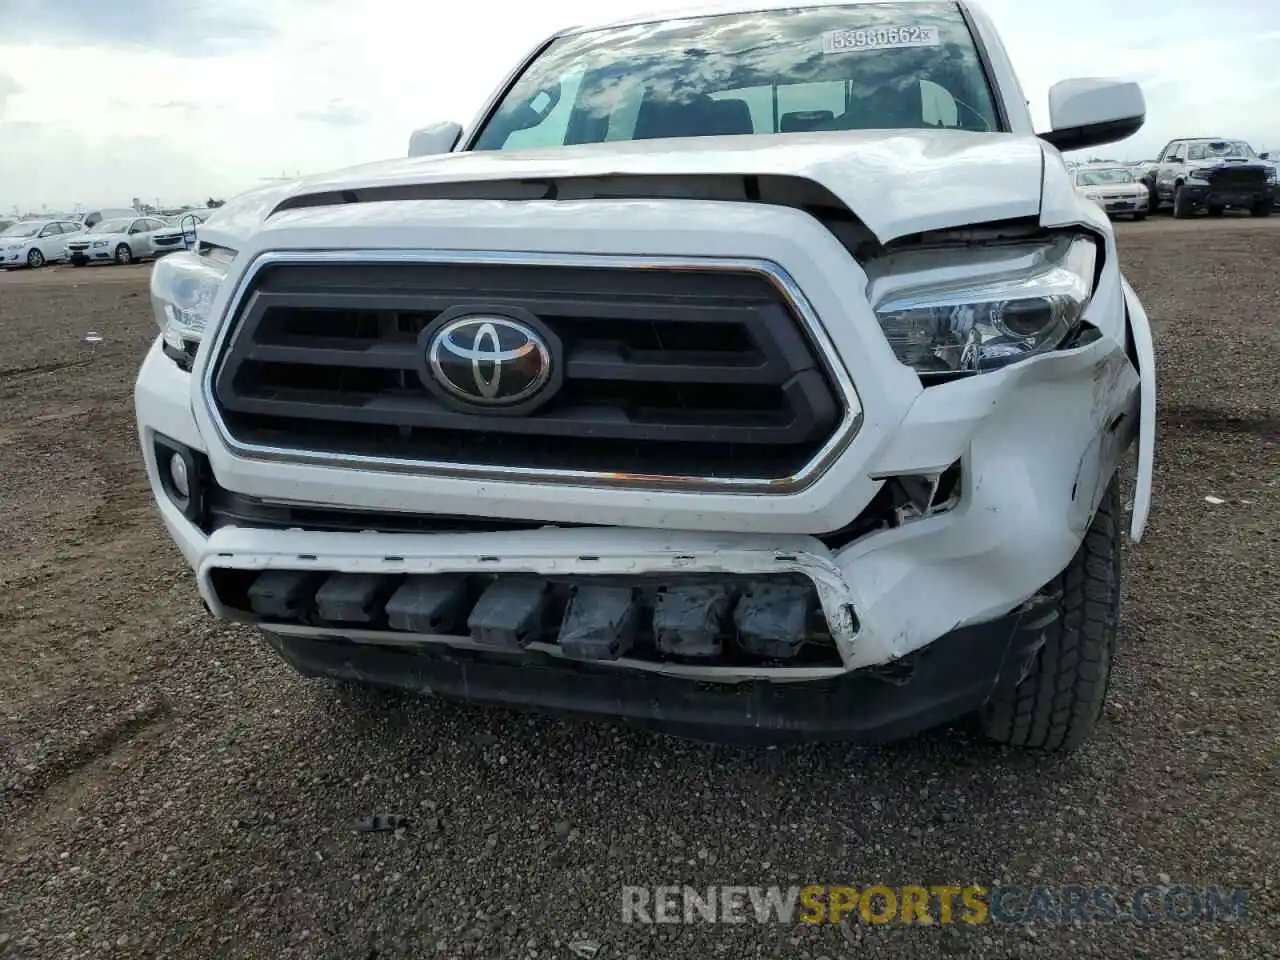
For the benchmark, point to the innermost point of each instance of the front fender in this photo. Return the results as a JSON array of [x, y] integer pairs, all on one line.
[[1142, 345]]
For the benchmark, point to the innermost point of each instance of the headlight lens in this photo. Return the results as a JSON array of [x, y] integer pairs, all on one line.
[[99, 243], [942, 319], [1271, 175], [183, 286], [1197, 174]]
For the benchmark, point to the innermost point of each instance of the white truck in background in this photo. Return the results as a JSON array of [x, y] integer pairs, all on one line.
[[756, 372]]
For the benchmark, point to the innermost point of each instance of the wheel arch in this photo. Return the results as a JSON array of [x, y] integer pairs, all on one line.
[[1140, 347]]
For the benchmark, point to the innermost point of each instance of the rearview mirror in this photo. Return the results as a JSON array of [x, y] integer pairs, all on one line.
[[1091, 111], [435, 138]]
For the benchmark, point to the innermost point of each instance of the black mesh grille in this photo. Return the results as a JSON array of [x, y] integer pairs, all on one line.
[[1238, 177], [673, 372]]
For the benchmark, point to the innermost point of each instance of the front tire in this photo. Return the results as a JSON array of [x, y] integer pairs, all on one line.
[[124, 255], [1139, 216], [1056, 706], [35, 258], [1181, 203], [1262, 209]]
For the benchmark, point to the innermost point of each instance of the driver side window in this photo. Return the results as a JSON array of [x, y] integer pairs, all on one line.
[[1196, 152]]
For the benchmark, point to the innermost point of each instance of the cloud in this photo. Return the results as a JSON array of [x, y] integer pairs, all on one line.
[[337, 113], [204, 28], [222, 93], [9, 87]]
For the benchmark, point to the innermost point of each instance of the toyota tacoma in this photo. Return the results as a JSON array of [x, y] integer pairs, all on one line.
[[746, 374]]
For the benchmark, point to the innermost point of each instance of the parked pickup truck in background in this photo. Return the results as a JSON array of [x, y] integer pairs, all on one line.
[[758, 373], [1212, 175]]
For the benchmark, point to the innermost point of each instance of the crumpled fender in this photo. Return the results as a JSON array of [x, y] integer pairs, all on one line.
[[1142, 345]]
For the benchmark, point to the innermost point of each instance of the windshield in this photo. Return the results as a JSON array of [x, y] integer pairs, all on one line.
[[1094, 178], [27, 229], [1219, 148], [111, 226], [857, 67]]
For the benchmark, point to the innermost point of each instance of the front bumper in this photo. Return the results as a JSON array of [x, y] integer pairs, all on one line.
[[1124, 205], [1024, 504], [164, 243], [1018, 522], [953, 677], [90, 255], [1205, 195]]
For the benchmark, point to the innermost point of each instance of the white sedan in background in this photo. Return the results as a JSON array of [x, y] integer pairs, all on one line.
[[124, 240], [174, 237], [1114, 188], [33, 243]]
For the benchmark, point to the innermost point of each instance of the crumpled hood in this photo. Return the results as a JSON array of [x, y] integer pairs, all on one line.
[[897, 183]]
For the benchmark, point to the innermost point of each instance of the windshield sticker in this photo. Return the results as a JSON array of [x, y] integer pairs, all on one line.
[[883, 38]]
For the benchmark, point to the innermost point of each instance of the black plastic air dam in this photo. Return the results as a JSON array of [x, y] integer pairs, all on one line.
[[950, 678]]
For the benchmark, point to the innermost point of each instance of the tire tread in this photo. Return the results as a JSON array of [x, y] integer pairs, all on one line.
[[1057, 704]]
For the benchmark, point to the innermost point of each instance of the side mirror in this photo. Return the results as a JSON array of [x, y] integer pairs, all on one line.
[[436, 138], [1265, 155], [1091, 111]]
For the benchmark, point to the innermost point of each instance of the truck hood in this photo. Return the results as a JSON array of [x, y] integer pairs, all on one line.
[[1248, 162], [897, 183]]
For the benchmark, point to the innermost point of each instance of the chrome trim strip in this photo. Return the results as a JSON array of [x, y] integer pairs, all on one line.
[[800, 480]]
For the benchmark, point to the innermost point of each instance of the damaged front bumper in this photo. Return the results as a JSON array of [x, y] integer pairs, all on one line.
[[951, 678], [1022, 508]]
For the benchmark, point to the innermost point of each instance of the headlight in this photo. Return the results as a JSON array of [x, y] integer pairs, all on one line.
[[1198, 174], [1271, 174], [183, 286], [1006, 304], [99, 243]]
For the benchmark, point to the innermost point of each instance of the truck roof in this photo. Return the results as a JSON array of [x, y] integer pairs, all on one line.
[[725, 7]]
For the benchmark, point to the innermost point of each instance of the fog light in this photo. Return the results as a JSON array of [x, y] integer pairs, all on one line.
[[178, 474], [184, 474]]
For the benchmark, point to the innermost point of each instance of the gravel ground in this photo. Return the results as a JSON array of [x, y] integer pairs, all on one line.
[[167, 788]]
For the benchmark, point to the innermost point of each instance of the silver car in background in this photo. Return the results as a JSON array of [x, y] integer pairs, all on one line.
[[122, 241], [1114, 188]]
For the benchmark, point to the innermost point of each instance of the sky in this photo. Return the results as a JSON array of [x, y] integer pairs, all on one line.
[[174, 101]]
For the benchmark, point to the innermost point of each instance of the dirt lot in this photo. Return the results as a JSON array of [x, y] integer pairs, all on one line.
[[167, 788]]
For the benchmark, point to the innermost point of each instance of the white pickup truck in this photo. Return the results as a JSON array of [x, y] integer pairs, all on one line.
[[754, 373]]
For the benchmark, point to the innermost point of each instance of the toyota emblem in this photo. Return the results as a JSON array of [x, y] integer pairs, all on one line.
[[488, 360]]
